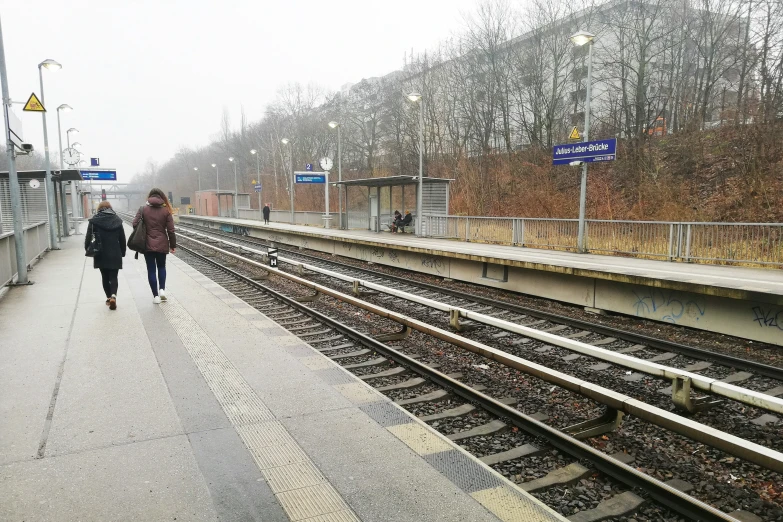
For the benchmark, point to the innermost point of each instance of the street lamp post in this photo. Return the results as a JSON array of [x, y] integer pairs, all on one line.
[[416, 97], [255, 153], [336, 125], [199, 178], [68, 135], [236, 187], [52, 66], [580, 38], [217, 190], [74, 197], [286, 141]]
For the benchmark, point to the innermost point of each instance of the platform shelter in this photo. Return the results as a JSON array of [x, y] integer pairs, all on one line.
[[218, 203], [34, 199], [370, 203]]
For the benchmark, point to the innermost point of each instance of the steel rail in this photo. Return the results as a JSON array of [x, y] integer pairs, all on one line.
[[747, 450], [766, 370], [708, 384], [676, 500]]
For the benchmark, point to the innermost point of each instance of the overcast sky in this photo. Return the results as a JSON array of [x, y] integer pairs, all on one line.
[[146, 77]]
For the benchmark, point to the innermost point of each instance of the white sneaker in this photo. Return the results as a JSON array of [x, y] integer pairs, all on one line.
[[156, 299], [162, 294]]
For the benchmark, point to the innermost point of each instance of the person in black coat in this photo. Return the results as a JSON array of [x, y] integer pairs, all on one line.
[[266, 214], [105, 228]]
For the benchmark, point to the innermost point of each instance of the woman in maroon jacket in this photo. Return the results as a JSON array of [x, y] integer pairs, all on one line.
[[160, 240]]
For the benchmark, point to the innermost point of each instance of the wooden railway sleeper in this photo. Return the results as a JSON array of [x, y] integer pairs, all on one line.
[[681, 396], [609, 421]]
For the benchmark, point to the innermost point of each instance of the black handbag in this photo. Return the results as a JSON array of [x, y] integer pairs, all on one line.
[[94, 248], [137, 240]]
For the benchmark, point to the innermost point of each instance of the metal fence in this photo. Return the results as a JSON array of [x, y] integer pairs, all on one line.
[[750, 243], [36, 241]]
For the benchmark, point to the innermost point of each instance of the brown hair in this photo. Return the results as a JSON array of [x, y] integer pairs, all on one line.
[[159, 193], [103, 204]]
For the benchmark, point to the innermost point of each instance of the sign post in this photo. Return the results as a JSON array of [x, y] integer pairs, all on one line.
[[580, 154], [13, 178], [584, 152], [257, 187]]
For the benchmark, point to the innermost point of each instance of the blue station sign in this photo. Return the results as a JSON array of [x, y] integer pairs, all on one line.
[[586, 151], [310, 178], [257, 187], [99, 175]]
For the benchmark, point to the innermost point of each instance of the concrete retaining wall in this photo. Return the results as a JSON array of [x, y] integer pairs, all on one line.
[[758, 319]]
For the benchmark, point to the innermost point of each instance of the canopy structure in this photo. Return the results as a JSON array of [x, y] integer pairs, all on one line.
[[57, 174], [33, 203], [375, 211]]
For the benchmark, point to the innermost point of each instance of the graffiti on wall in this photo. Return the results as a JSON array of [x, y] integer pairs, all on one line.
[[433, 263], [669, 306], [235, 229], [768, 317]]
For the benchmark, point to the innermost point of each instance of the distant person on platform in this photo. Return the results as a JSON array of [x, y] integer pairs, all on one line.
[[107, 236], [160, 240], [267, 210]]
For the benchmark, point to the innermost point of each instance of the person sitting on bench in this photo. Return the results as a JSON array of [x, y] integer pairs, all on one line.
[[396, 220], [406, 221]]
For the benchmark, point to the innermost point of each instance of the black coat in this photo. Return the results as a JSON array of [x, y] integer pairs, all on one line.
[[107, 227], [266, 212]]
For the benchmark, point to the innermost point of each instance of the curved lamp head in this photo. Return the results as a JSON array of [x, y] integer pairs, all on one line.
[[76, 145], [50, 64], [72, 129], [195, 168], [253, 151], [334, 124], [285, 141], [65, 108], [231, 158], [414, 96], [214, 164], [581, 37]]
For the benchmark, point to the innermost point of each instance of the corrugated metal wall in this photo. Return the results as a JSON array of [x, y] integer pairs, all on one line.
[[33, 204], [435, 199]]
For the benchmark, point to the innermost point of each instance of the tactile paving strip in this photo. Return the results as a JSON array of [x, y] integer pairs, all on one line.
[[487, 487], [303, 492]]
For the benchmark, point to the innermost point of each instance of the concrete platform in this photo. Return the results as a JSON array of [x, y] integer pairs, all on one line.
[[201, 408], [745, 302]]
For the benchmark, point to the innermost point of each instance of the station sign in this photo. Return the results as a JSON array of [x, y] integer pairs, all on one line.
[[99, 175], [585, 151], [257, 187], [310, 177]]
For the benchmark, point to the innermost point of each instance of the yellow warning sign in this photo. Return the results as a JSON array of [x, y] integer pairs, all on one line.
[[574, 134], [254, 182], [34, 104]]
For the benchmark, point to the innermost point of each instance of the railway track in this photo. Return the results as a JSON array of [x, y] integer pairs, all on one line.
[[552, 458], [625, 364], [344, 344], [555, 322]]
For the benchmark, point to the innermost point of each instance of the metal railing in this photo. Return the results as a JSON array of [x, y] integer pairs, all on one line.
[[745, 243], [36, 241]]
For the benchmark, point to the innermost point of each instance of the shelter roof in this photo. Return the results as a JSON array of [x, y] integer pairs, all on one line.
[[391, 181]]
